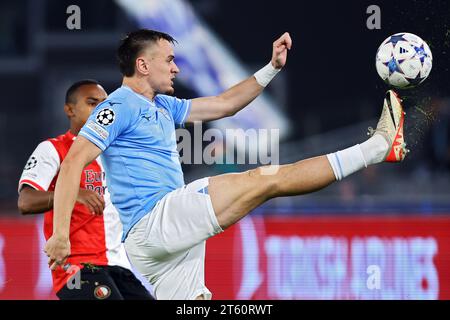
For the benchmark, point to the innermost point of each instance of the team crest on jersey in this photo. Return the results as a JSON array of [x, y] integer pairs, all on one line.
[[102, 292], [31, 163], [164, 112], [105, 117]]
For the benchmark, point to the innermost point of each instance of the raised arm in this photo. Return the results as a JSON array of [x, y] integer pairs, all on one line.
[[80, 154], [239, 96]]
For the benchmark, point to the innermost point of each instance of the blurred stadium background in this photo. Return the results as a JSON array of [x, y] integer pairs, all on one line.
[[395, 218]]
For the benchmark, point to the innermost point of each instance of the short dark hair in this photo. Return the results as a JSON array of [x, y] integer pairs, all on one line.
[[132, 45], [70, 93]]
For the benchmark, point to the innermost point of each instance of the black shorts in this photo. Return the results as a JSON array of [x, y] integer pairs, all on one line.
[[105, 283]]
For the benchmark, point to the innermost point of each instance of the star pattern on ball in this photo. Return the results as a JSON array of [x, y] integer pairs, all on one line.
[[396, 38], [393, 66], [415, 81], [420, 52]]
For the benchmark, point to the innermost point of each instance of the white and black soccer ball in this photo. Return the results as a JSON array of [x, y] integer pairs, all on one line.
[[403, 60], [105, 117]]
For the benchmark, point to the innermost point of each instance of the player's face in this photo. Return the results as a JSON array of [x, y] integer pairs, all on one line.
[[162, 67], [87, 98]]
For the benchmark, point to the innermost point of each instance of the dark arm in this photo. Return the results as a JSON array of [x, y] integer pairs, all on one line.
[[32, 201]]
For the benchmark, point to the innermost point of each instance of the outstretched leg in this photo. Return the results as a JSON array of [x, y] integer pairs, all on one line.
[[234, 195]]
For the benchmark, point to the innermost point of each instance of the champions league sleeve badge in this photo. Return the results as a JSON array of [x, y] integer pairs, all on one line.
[[105, 117]]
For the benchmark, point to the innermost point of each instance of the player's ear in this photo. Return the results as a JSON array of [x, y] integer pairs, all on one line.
[[142, 66], [68, 109]]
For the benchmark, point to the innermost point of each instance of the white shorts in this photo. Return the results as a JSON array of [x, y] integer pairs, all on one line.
[[167, 246]]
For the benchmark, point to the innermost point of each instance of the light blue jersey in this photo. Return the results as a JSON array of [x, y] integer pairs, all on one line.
[[137, 137]]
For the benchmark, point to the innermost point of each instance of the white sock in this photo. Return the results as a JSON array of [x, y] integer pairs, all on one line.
[[347, 161], [375, 149]]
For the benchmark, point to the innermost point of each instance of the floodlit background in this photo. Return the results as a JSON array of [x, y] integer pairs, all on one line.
[[320, 246]]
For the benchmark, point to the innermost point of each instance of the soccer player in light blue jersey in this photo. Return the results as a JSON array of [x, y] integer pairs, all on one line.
[[166, 222]]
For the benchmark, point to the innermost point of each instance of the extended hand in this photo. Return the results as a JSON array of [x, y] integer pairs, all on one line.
[[279, 51], [57, 250], [92, 200]]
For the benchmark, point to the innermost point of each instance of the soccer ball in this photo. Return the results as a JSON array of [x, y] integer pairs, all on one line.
[[403, 60]]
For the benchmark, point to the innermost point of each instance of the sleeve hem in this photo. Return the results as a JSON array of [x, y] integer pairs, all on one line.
[[31, 184], [186, 113], [93, 139]]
